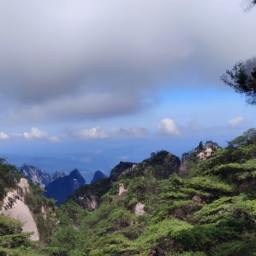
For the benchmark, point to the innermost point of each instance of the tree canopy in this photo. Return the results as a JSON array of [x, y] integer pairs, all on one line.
[[251, 3], [242, 78]]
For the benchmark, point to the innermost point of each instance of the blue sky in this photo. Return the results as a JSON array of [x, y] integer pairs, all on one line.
[[87, 84]]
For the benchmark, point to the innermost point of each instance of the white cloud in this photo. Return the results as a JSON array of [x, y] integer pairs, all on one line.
[[3, 136], [168, 126], [134, 131], [92, 133], [117, 60], [236, 121], [37, 134]]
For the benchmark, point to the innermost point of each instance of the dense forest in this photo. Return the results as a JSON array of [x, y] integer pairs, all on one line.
[[209, 211]]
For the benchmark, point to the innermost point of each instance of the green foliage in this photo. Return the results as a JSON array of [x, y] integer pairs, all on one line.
[[211, 212], [200, 146], [157, 158], [9, 225], [12, 240], [242, 81], [43, 210], [97, 189], [7, 177], [64, 241]]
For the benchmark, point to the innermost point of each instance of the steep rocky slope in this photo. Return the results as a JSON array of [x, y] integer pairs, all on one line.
[[18, 218], [14, 206], [36, 175]]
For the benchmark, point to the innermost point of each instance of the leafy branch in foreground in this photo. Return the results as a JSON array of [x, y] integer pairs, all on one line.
[[242, 78]]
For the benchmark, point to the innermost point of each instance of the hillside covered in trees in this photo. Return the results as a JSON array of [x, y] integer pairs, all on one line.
[[211, 211]]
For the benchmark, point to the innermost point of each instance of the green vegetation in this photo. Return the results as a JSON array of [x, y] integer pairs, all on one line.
[[12, 241], [211, 212], [44, 212]]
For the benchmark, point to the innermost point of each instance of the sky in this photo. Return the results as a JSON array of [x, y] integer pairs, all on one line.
[[89, 83]]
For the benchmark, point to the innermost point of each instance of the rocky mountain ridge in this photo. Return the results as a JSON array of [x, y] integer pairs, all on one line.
[[35, 175], [38, 176], [88, 196]]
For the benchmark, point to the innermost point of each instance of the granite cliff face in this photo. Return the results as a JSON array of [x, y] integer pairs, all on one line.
[[35, 175], [98, 175], [14, 206], [62, 187]]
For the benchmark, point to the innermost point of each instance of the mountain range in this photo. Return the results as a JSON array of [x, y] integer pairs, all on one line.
[[200, 205], [59, 185]]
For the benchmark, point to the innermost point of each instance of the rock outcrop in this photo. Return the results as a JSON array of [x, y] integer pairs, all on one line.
[[98, 175], [200, 153], [121, 189], [139, 209], [62, 187], [208, 150], [35, 175], [90, 202], [14, 207], [119, 169]]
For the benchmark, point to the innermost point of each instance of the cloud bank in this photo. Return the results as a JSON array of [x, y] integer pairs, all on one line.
[[91, 59], [37, 134]]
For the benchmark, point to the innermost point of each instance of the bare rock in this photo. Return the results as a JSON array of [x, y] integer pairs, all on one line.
[[90, 202], [35, 175], [205, 154], [121, 189], [139, 209], [14, 207], [196, 199], [23, 188]]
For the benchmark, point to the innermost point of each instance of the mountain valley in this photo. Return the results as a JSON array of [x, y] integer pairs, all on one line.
[[203, 204]]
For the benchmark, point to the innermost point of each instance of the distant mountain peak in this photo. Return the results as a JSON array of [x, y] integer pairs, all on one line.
[[62, 187], [98, 175]]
